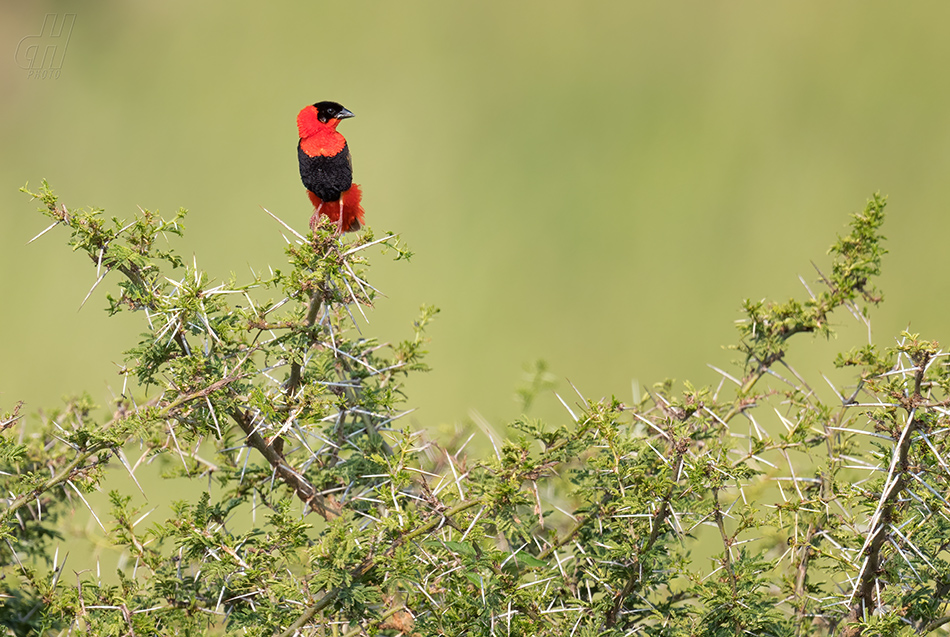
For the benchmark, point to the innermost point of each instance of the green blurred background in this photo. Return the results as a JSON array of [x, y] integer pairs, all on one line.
[[598, 184]]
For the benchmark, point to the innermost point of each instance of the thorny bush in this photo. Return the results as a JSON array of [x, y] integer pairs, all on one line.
[[752, 508]]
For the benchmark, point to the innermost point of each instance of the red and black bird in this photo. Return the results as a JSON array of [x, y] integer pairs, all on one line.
[[326, 168]]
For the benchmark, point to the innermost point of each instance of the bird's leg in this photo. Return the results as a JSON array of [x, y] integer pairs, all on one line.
[[339, 221], [315, 218]]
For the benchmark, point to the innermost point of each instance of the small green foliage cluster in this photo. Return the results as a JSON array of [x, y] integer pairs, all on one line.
[[755, 507]]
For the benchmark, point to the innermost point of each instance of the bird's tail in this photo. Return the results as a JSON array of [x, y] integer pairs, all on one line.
[[352, 210]]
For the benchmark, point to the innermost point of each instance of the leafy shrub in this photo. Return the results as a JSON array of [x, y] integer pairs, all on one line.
[[752, 508]]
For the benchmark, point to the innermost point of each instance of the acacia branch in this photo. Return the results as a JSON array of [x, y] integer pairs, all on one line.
[[863, 597], [358, 573], [76, 464], [68, 471], [727, 542], [656, 523], [302, 487], [316, 302]]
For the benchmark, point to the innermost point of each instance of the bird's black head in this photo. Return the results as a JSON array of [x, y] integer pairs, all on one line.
[[331, 110]]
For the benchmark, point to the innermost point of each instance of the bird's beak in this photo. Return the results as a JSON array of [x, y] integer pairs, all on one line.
[[343, 114]]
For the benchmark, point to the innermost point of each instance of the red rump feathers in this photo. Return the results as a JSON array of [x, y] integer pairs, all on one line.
[[352, 218], [325, 166]]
